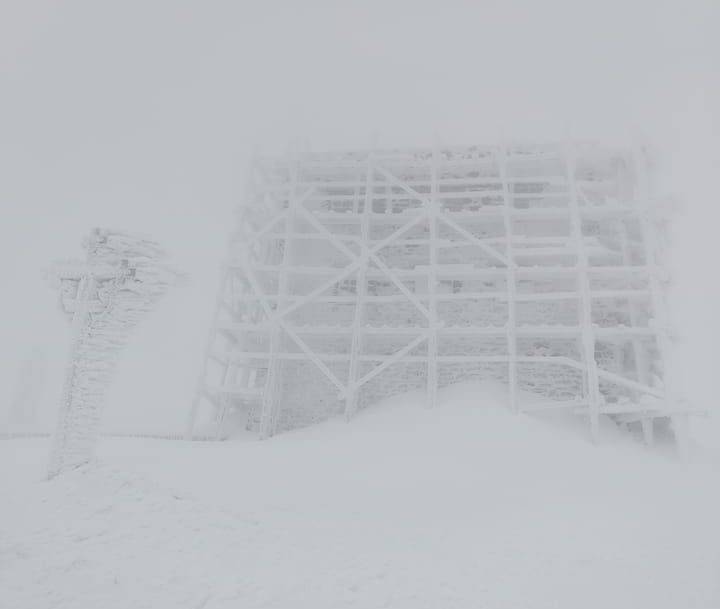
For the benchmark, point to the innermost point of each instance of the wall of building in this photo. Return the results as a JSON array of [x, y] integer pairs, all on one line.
[[307, 396]]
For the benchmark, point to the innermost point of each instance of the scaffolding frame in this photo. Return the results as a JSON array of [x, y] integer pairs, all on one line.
[[357, 204]]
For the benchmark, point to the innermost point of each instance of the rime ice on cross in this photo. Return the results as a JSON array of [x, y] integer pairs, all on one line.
[[104, 297]]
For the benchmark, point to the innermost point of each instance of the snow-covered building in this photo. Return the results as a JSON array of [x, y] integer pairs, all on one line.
[[356, 275]]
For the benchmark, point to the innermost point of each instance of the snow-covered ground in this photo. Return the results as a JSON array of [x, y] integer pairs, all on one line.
[[463, 506]]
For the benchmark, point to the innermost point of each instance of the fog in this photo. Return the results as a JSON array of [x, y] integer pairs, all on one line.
[[143, 115]]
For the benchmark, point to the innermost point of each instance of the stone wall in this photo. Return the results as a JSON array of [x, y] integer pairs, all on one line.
[[307, 396], [398, 378]]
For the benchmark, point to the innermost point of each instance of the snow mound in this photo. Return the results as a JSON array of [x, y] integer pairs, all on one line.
[[462, 506]]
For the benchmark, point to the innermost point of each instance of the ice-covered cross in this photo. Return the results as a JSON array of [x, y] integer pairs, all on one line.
[[104, 296]]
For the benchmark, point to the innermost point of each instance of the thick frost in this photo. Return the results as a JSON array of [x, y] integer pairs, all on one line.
[[104, 296], [353, 276]]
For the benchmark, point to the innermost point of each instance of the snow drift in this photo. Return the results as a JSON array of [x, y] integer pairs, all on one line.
[[462, 506]]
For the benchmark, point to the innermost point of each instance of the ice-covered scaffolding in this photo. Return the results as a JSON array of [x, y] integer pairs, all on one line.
[[356, 275]]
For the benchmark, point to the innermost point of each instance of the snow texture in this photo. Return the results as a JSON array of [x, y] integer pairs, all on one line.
[[461, 506]]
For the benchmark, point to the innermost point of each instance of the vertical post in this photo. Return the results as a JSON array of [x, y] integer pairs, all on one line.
[[223, 402], [200, 391], [587, 334], [639, 354], [650, 245], [511, 281], [69, 439], [351, 400], [432, 219], [192, 415], [273, 382]]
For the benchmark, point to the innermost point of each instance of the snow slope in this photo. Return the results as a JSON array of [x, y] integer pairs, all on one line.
[[463, 506]]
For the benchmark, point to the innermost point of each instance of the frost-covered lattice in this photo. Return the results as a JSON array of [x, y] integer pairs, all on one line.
[[357, 275], [104, 297]]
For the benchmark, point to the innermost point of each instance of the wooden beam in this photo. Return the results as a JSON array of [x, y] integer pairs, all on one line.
[[395, 357], [361, 299], [511, 281], [587, 335], [431, 205]]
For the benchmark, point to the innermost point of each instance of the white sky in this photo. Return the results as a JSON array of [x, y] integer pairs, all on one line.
[[141, 115]]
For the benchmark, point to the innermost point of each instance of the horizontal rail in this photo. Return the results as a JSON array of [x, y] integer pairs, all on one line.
[[548, 331]]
